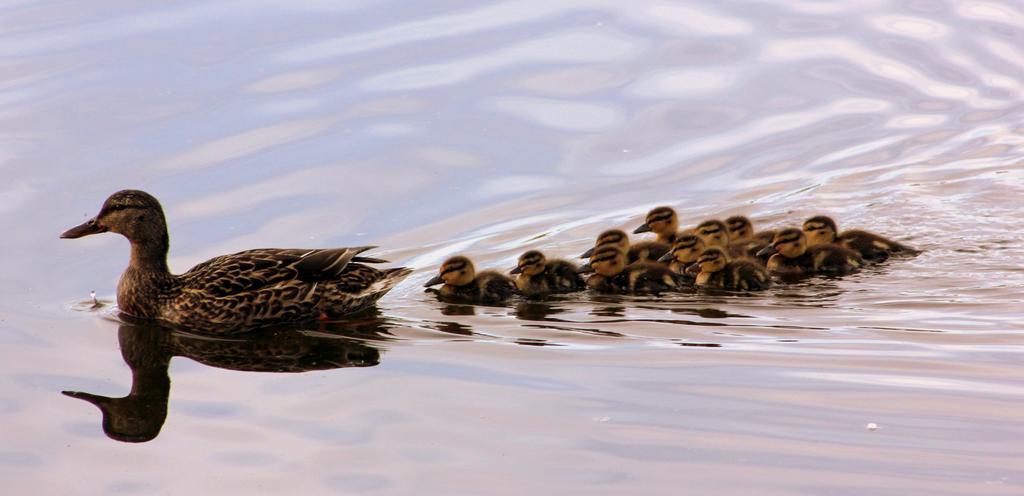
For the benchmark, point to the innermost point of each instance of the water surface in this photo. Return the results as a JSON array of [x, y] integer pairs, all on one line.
[[489, 128]]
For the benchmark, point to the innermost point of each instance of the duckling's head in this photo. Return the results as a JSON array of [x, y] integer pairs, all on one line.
[[820, 230], [134, 214], [740, 228], [662, 221], [686, 249], [530, 263], [790, 243], [713, 233], [609, 261], [611, 237], [456, 271], [712, 260]]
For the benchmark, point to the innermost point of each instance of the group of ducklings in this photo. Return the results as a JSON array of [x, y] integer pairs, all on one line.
[[727, 255]]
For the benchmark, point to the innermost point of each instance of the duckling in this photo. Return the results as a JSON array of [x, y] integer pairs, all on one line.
[[246, 289], [718, 272], [741, 229], [663, 222], [536, 275], [682, 259], [821, 229], [613, 275], [649, 251], [462, 282], [790, 255], [715, 233]]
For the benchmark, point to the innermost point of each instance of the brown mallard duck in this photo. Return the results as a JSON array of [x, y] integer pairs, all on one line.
[[821, 229], [649, 251], [663, 222], [718, 272], [246, 289], [537, 276], [612, 274], [790, 255], [463, 283]]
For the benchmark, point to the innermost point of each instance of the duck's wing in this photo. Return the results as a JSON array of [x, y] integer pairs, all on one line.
[[253, 270]]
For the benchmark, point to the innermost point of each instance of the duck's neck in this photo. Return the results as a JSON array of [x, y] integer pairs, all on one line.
[[146, 279], [150, 256]]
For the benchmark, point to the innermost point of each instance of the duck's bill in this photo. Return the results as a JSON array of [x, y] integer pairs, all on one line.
[[666, 258], [587, 254], [84, 229], [516, 270], [585, 269], [767, 251], [642, 229], [434, 282]]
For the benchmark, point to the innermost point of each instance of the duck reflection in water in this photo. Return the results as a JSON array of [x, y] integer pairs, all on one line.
[[147, 349]]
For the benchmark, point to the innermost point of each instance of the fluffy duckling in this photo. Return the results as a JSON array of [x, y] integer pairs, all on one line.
[[715, 233], [823, 230], [663, 222], [536, 275], [790, 255], [718, 272], [741, 229], [462, 282], [614, 275], [247, 289], [647, 251], [682, 259]]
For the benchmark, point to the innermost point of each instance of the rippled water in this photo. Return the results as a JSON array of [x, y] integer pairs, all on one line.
[[489, 128]]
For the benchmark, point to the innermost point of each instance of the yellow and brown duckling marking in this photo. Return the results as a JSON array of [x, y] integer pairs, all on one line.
[[715, 233], [614, 275], [462, 282], [743, 240], [718, 272], [790, 255], [823, 230], [536, 275], [245, 289], [682, 259], [649, 251], [663, 222], [742, 229]]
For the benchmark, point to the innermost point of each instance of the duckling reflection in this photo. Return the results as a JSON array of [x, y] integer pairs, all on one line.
[[147, 349]]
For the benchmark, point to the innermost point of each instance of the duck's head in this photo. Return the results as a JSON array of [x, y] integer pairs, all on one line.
[[712, 260], [740, 228], [136, 215], [608, 261], [456, 271], [685, 250], [662, 221], [820, 230], [611, 237], [790, 243], [713, 233], [530, 263]]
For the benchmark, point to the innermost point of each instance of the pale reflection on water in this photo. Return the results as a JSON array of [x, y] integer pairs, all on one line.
[[433, 128]]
